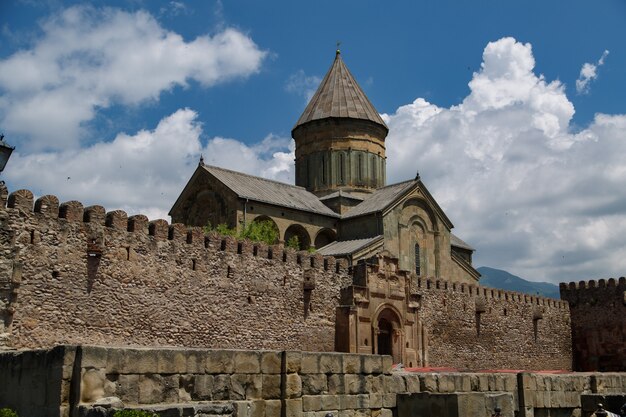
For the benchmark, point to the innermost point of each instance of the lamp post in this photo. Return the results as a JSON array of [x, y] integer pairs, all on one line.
[[5, 152]]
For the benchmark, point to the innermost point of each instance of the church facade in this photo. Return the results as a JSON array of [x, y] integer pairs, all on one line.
[[342, 207]]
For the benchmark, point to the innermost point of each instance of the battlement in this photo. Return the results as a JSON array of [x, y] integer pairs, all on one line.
[[592, 284], [490, 293], [47, 208]]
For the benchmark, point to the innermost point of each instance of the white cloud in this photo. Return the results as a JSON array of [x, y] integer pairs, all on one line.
[[302, 84], [530, 195], [91, 58], [145, 172], [588, 73]]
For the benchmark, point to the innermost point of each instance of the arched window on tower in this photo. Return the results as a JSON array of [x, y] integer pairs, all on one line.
[[323, 169], [417, 260], [374, 170], [342, 167], [360, 167]]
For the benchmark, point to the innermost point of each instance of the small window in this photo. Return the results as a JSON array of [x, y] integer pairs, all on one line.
[[417, 260]]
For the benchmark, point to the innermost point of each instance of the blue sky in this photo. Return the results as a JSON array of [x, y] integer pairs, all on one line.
[[513, 112]]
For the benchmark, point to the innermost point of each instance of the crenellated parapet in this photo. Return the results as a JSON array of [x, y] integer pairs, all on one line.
[[82, 274], [47, 208]]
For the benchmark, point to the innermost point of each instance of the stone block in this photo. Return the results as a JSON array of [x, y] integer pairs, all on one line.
[[389, 400], [374, 384], [336, 384], [273, 408], [245, 386], [293, 361], [346, 413], [293, 407], [428, 382], [354, 383], [393, 384], [195, 362], [310, 363], [362, 401], [387, 364], [351, 364], [247, 362], [376, 400], [127, 388], [412, 382], [271, 386], [270, 362], [314, 384], [311, 403], [219, 362], [330, 363], [293, 386], [152, 389], [202, 387], [347, 402], [171, 361], [221, 387], [92, 385], [94, 357], [140, 361], [386, 413], [372, 364], [330, 402]]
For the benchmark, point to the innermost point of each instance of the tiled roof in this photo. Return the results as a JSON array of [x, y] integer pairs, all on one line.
[[347, 247], [268, 191], [341, 193], [339, 95], [380, 199], [457, 242]]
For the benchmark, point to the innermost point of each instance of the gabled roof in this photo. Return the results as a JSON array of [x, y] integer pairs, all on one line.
[[348, 247], [380, 199], [339, 95], [387, 197], [269, 191], [457, 242]]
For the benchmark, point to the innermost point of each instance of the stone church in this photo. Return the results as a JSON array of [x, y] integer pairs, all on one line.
[[342, 207]]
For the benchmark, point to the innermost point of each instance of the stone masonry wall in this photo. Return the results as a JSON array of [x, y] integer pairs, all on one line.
[[80, 275], [471, 327], [598, 312], [81, 380]]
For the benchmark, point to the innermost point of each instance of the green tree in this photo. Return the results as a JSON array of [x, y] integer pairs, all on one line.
[[7, 412], [293, 242], [261, 231]]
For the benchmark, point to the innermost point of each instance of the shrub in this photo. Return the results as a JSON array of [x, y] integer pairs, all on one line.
[[261, 231], [293, 242], [223, 229], [7, 412]]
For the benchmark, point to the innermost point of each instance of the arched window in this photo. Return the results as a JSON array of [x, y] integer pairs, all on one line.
[[360, 167], [323, 169], [342, 165], [417, 259], [374, 170]]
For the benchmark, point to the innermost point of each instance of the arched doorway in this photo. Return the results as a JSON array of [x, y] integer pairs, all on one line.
[[385, 335], [296, 234], [324, 237], [388, 334]]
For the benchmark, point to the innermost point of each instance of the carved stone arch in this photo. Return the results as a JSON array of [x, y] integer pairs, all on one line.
[[207, 206], [420, 203], [324, 237], [388, 332], [304, 239]]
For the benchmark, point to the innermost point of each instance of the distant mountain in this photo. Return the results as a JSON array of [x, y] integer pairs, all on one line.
[[497, 278]]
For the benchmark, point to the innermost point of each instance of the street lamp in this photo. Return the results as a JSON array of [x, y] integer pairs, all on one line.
[[5, 152]]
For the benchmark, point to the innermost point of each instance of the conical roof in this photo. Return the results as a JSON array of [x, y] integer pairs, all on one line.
[[339, 95]]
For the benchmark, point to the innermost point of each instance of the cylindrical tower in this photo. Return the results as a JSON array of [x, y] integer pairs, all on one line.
[[340, 138]]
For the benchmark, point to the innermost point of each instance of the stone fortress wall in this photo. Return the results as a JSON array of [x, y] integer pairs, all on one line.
[[80, 380], [76, 275], [81, 275], [598, 311]]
